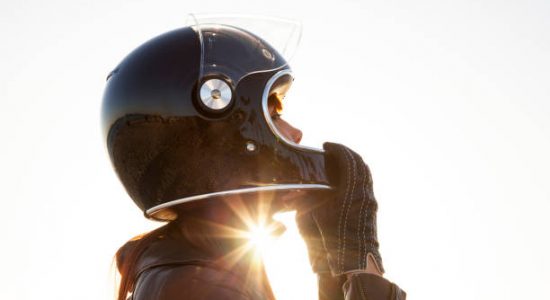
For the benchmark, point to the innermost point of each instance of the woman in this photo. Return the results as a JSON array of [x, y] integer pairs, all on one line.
[[194, 133]]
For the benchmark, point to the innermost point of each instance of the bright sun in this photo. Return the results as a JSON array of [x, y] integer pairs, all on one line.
[[285, 259], [284, 255], [260, 237]]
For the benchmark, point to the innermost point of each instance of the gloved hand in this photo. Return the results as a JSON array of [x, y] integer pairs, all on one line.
[[330, 288], [344, 223]]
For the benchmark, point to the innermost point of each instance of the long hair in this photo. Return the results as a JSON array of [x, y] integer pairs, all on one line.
[[130, 252]]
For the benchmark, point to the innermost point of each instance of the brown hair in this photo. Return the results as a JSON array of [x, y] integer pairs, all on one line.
[[130, 252]]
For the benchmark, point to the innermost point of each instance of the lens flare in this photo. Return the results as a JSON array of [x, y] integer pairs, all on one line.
[[260, 237]]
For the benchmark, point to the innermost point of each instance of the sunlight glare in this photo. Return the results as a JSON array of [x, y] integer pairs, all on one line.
[[260, 237], [286, 262]]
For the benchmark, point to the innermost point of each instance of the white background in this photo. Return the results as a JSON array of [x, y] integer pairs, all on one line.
[[448, 102]]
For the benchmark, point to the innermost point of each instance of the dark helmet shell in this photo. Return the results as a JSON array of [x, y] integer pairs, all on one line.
[[167, 148]]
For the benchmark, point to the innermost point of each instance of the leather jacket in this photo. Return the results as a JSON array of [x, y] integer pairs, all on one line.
[[172, 269]]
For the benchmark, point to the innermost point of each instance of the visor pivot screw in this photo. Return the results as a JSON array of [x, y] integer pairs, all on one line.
[[250, 146], [215, 94]]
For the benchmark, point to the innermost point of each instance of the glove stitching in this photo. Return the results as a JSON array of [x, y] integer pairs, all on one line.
[[338, 253], [365, 216], [361, 238], [349, 201], [373, 227], [373, 234]]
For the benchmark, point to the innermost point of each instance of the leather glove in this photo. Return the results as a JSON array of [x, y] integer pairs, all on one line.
[[330, 288], [344, 223]]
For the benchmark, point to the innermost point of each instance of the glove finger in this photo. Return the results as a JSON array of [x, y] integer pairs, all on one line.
[[355, 234], [312, 237], [343, 165], [336, 165]]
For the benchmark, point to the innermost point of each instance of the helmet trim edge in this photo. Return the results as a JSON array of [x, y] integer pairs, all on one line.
[[276, 187], [267, 116]]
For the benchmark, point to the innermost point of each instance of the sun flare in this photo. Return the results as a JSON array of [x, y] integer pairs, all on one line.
[[260, 238], [276, 245], [286, 262]]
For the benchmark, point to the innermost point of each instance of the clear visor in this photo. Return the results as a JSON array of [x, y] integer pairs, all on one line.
[[237, 45]]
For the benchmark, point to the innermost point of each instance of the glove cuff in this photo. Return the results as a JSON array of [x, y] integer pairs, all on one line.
[[372, 287], [350, 264]]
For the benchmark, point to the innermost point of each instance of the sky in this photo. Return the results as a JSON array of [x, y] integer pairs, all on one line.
[[447, 101]]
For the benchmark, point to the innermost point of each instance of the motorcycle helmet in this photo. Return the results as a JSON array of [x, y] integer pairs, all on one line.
[[185, 117]]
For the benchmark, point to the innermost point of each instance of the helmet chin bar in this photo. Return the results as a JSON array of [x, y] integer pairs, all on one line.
[[161, 211], [150, 213], [267, 115]]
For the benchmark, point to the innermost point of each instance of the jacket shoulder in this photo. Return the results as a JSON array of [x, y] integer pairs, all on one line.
[[178, 282]]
